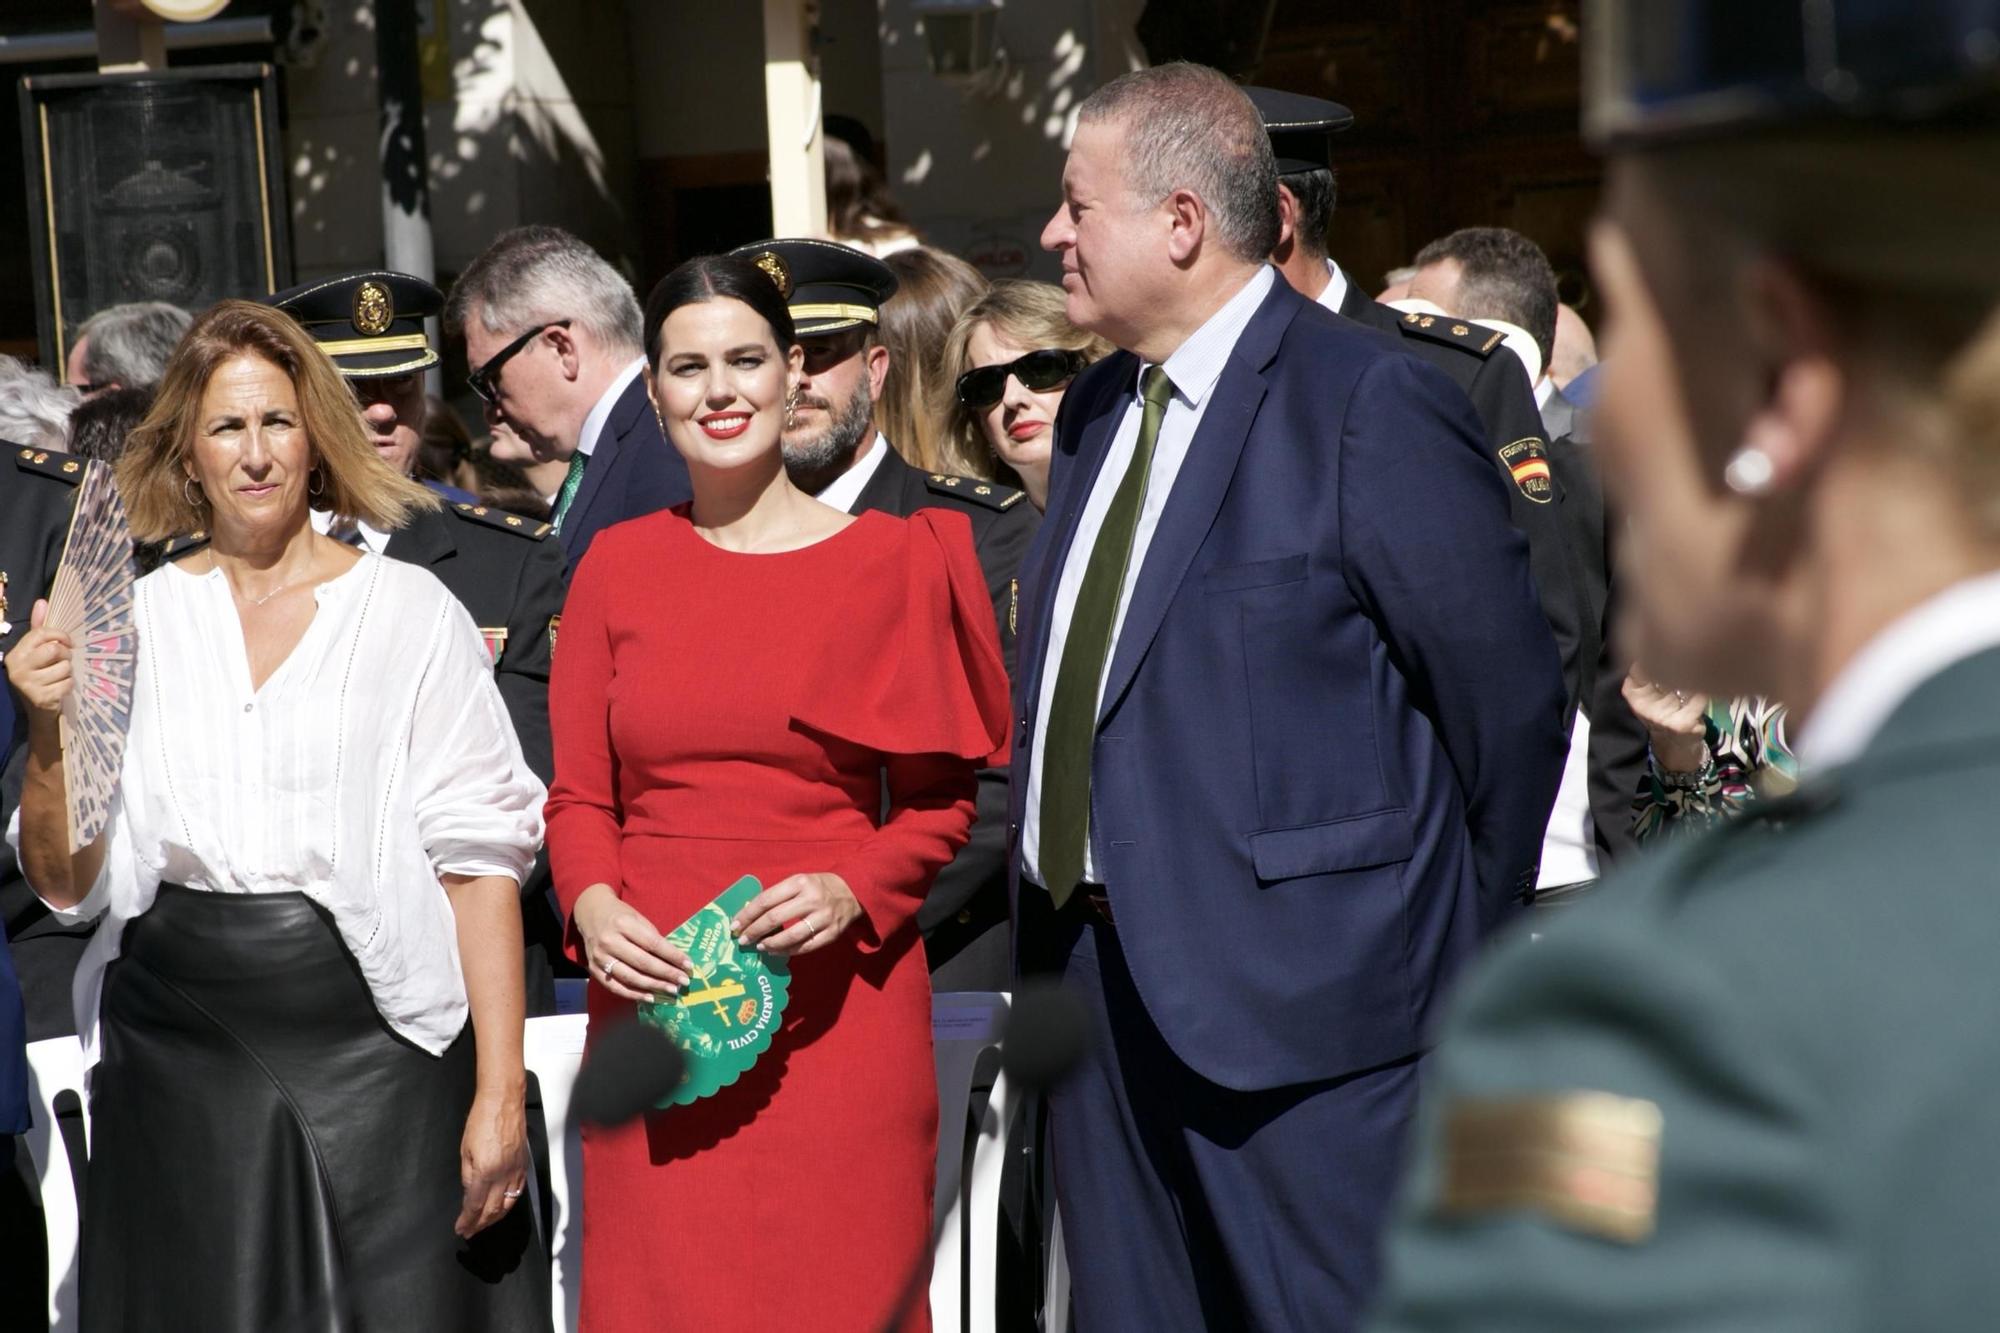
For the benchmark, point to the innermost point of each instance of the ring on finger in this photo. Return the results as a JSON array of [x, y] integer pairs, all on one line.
[[510, 1194]]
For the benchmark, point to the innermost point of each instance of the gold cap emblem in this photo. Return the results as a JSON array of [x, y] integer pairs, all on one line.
[[373, 310], [774, 269]]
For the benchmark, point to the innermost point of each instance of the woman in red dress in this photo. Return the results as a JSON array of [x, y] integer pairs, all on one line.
[[735, 680]]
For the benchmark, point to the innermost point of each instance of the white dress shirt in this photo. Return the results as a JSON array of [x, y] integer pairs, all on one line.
[[1960, 622], [1194, 368], [1336, 288], [376, 758], [846, 488], [600, 412]]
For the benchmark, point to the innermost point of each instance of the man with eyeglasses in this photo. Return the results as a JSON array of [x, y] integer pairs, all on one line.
[[834, 451], [552, 335], [506, 569]]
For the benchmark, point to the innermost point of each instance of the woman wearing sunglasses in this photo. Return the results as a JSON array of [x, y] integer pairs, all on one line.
[[1010, 357]]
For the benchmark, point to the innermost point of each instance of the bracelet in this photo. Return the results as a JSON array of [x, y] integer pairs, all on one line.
[[1674, 780]]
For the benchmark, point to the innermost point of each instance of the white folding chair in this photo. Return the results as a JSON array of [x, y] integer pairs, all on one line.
[[965, 1034], [553, 1050], [55, 1066]]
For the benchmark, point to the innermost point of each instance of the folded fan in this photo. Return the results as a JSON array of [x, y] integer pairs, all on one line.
[[91, 602]]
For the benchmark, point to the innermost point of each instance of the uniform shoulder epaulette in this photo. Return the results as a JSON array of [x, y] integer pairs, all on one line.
[[50, 463], [988, 494], [176, 547], [1461, 333], [534, 529]]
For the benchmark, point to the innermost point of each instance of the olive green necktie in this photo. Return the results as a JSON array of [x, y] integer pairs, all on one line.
[[1071, 728], [571, 480]]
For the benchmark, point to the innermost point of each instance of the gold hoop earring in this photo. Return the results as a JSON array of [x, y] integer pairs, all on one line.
[[316, 476], [193, 501]]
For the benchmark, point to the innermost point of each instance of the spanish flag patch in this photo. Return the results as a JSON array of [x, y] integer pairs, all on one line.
[[1527, 462]]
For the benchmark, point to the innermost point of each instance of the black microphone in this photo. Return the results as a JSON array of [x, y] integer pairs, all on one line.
[[1046, 1034], [632, 1068]]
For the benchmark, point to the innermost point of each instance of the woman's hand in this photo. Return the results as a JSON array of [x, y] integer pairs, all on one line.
[[627, 954], [797, 915], [39, 665], [492, 1160], [1676, 723]]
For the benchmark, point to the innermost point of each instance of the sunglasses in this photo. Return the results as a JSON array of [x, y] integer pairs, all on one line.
[[484, 381], [1049, 368]]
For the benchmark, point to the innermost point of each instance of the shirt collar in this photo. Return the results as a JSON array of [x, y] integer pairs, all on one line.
[[1197, 364], [1958, 623], [593, 425], [846, 488], [1335, 295], [373, 538], [1545, 389]]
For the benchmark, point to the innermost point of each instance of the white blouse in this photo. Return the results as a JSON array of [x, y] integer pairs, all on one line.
[[377, 757]]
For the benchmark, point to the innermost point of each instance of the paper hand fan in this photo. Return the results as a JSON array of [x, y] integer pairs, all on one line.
[[730, 1010], [91, 602]]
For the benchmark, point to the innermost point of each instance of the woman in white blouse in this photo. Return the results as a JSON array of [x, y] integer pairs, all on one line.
[[305, 999]]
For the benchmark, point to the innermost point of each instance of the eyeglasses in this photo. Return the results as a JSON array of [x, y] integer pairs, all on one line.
[[1048, 368], [485, 380]]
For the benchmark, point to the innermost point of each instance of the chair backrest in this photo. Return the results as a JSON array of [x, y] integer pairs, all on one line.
[[553, 1050], [57, 1146]]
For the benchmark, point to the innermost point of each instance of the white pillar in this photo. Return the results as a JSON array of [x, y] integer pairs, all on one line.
[[792, 118]]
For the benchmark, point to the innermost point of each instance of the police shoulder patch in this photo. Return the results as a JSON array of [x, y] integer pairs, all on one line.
[[1453, 332], [1527, 462], [986, 494], [50, 463], [534, 529]]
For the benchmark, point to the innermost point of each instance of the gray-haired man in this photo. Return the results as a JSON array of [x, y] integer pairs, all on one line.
[[125, 346], [552, 335]]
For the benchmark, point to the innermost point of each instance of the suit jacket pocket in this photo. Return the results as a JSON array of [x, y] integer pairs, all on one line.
[[1256, 574], [1355, 843]]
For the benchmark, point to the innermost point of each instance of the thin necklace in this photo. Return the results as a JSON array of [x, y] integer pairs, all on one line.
[[254, 601]]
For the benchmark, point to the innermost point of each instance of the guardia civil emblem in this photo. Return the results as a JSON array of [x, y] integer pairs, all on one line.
[[774, 269], [733, 1003], [373, 309]]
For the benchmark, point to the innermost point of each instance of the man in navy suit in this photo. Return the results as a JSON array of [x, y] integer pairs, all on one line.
[[553, 338], [1291, 726]]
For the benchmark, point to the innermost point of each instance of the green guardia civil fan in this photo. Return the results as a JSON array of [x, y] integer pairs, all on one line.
[[726, 1017]]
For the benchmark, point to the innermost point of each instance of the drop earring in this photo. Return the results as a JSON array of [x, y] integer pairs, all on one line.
[[1750, 473]]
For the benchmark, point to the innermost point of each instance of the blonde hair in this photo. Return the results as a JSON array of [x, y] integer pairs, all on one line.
[[153, 472], [1027, 314], [1895, 232], [932, 287]]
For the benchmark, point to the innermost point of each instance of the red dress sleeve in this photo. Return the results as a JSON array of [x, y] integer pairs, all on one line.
[[583, 813], [921, 682]]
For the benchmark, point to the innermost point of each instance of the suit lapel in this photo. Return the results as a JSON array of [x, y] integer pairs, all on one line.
[[1198, 490], [1059, 526], [617, 425]]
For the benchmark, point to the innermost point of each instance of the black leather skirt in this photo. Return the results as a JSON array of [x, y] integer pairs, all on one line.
[[266, 1154]]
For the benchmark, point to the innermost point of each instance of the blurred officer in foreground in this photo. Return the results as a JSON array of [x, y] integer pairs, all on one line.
[[507, 570], [1753, 1085]]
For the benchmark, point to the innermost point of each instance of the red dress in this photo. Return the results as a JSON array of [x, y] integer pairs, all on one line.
[[718, 714]]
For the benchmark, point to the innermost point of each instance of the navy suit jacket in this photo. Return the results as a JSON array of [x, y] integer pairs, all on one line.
[[1332, 728], [633, 470]]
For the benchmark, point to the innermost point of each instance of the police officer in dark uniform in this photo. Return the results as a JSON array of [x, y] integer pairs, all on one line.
[[1753, 1083], [1473, 356], [505, 569], [37, 492], [834, 451]]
